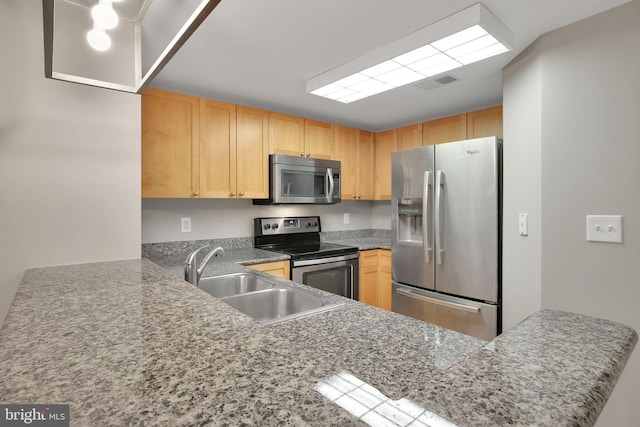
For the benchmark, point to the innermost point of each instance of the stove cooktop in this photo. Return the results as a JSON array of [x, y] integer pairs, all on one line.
[[311, 250]]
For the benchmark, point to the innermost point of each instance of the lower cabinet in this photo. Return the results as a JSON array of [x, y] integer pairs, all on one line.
[[278, 268], [375, 278]]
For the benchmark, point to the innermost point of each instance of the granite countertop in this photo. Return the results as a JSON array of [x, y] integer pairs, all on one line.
[[129, 343], [365, 243]]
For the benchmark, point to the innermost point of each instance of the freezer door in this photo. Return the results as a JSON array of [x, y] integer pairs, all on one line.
[[412, 216], [467, 218], [468, 317]]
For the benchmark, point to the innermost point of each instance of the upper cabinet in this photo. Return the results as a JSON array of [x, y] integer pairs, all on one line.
[[286, 134], [385, 143], [365, 184], [170, 144], [217, 149], [297, 136], [318, 140], [354, 149], [446, 129], [485, 122], [194, 147], [410, 136], [252, 153]]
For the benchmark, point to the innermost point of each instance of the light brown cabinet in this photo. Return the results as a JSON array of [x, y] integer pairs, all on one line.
[[318, 140], [277, 268], [221, 153], [170, 144], [354, 149], [385, 143], [297, 136], [446, 129], [375, 278], [252, 153], [286, 134], [410, 136], [485, 122], [217, 149]]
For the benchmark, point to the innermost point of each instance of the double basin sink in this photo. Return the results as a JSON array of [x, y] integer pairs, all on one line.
[[265, 300]]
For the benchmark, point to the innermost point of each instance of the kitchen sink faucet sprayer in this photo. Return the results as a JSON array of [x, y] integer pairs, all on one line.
[[191, 271]]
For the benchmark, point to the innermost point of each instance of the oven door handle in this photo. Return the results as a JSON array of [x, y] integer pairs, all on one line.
[[316, 261]]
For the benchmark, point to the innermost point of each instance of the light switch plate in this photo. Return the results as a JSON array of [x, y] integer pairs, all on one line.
[[604, 228], [346, 218], [523, 224]]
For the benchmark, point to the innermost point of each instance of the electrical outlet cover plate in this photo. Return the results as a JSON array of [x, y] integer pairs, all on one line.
[[604, 228]]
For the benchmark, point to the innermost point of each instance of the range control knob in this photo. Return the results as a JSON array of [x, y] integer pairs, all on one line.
[[266, 226], [274, 226], [309, 224], [315, 223]]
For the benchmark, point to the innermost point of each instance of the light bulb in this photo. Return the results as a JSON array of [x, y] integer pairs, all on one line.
[[104, 16], [99, 40]]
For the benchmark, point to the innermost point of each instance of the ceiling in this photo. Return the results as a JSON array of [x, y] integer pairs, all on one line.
[[261, 53]]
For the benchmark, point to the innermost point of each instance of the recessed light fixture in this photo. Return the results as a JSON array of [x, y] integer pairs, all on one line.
[[468, 36]]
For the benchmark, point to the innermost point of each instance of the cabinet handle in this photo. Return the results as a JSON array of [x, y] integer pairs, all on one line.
[[196, 193], [354, 196], [233, 193], [241, 193], [358, 196], [308, 154], [302, 154]]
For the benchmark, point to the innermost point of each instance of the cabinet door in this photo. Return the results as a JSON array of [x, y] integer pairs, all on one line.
[[252, 160], [446, 129], [169, 144], [217, 149], [369, 277], [365, 178], [486, 122], [286, 134], [410, 136], [384, 279], [278, 268], [346, 152], [318, 139], [385, 144]]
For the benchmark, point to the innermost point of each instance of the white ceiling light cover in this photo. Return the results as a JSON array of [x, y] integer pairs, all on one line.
[[460, 39]]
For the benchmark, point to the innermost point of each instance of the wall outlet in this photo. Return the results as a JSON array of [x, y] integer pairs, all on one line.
[[346, 218], [185, 224]]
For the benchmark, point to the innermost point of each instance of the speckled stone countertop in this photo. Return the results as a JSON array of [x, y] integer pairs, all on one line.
[[129, 343]]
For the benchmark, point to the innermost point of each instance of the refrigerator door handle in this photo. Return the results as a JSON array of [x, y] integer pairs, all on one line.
[[438, 215], [426, 238], [448, 304]]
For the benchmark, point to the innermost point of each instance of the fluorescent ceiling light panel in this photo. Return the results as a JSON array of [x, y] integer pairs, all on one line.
[[468, 36]]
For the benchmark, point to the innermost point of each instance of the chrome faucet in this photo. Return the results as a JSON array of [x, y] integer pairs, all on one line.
[[191, 271]]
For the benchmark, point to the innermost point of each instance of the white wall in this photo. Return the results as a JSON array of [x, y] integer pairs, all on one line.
[[219, 218], [588, 144], [69, 161]]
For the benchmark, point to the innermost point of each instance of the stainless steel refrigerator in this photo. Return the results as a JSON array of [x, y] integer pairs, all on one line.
[[446, 235]]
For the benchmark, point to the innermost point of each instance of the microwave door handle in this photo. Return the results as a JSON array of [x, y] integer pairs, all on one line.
[[330, 185]]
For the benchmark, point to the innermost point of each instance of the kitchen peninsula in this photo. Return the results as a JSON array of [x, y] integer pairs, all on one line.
[[129, 343]]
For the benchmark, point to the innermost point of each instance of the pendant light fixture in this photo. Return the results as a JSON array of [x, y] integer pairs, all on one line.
[[104, 18]]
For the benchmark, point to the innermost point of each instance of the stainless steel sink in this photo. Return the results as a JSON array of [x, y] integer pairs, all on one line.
[[280, 304], [265, 300], [234, 284]]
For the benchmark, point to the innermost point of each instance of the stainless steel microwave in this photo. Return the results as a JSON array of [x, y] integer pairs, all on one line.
[[302, 180]]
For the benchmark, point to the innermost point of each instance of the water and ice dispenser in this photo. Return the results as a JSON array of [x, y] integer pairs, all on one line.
[[410, 220]]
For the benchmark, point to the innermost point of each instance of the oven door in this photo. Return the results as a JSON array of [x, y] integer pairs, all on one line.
[[338, 275]]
